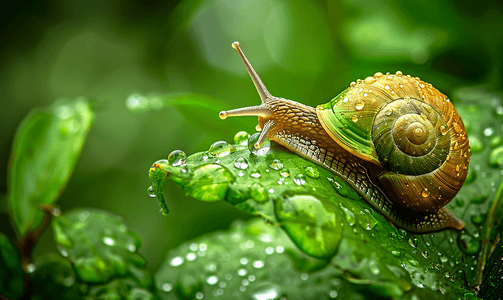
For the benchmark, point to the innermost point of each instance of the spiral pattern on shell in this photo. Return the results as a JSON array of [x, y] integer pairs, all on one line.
[[407, 128]]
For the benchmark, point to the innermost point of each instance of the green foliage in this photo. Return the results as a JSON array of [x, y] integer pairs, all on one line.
[[99, 245], [45, 151], [11, 275]]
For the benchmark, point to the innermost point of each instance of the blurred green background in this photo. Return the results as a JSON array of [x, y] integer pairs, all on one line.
[[307, 51]]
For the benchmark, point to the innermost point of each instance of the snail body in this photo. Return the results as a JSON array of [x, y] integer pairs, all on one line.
[[395, 139]]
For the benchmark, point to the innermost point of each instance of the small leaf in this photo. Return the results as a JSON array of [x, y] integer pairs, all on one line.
[[11, 274], [45, 150], [100, 246]]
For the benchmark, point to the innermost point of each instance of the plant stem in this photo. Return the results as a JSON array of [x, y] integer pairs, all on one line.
[[485, 253], [28, 242]]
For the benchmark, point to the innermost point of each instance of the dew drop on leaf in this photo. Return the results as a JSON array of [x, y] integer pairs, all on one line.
[[312, 172], [348, 215], [177, 158], [241, 163], [241, 138], [299, 179], [266, 145], [413, 241], [276, 164], [221, 148], [284, 173], [468, 244]]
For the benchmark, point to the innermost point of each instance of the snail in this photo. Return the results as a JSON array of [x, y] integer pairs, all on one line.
[[394, 138]]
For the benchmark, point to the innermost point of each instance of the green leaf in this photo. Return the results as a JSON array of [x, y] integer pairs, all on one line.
[[256, 261], [100, 246], [322, 215], [54, 278], [11, 274], [46, 147]]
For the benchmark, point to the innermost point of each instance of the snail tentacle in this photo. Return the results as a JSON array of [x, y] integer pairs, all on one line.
[[260, 111], [261, 89]]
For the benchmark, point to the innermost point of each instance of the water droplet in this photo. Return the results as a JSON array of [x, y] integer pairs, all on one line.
[[378, 74], [468, 244], [345, 100], [241, 138], [30, 268], [360, 104], [396, 253], [374, 267], [388, 111], [366, 220], [176, 261], [425, 254], [488, 131], [191, 256], [259, 193], [242, 272], [333, 294], [496, 157], [255, 174], [199, 295], [312, 172], [266, 290], [241, 163], [299, 179], [151, 191], [258, 264], [349, 215], [269, 250], [280, 249], [266, 145], [137, 102], [221, 148], [276, 164], [413, 241], [425, 193], [108, 241], [369, 80], [84, 215], [212, 280], [402, 233], [477, 219], [339, 185], [167, 287], [387, 87], [177, 158], [354, 118]]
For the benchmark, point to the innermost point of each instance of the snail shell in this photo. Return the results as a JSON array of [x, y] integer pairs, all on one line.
[[394, 138]]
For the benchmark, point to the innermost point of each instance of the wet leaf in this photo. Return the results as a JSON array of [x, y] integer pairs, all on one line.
[[46, 147], [323, 216], [100, 246], [11, 274], [55, 278], [257, 261]]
